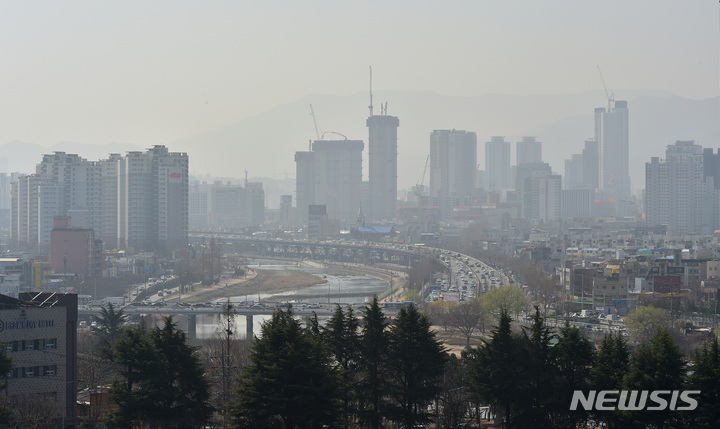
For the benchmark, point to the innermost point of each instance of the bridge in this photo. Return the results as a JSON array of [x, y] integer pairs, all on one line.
[[359, 253]]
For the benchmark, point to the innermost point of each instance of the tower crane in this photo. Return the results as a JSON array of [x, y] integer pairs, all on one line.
[[610, 95], [312, 113], [418, 186]]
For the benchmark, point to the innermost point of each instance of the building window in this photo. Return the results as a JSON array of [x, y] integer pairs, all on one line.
[[50, 370], [51, 344]]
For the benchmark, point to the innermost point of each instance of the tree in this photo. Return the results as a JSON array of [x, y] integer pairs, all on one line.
[[655, 366], [110, 324], [162, 382], [454, 398], [705, 377], [467, 317], [416, 362], [494, 369], [372, 366], [642, 322], [510, 298], [341, 337], [290, 381], [608, 370], [573, 357], [538, 375]]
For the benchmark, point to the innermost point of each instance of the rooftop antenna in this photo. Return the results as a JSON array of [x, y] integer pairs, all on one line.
[[371, 106], [246, 179]]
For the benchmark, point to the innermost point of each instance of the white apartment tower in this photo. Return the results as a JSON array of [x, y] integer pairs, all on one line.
[[382, 166], [453, 165], [497, 164], [611, 135], [528, 150], [677, 193]]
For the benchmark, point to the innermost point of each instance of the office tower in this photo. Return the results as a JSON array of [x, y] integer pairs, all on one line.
[[330, 175], [497, 164], [611, 135], [711, 166], [453, 165], [524, 172], [541, 202], [382, 166], [528, 150], [304, 183], [677, 193]]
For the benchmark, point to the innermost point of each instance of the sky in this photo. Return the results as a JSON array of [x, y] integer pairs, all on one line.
[[152, 72]]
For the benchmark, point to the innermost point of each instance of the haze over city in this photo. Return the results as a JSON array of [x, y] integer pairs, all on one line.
[[231, 76]]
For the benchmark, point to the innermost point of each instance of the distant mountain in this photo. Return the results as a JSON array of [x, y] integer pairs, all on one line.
[[265, 144]]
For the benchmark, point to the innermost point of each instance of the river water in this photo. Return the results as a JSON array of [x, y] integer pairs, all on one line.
[[351, 289]]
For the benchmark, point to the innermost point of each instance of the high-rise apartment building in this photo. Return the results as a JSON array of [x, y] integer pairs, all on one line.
[[528, 150], [524, 172], [677, 193], [612, 137], [137, 201], [382, 166], [453, 165], [330, 175], [497, 164]]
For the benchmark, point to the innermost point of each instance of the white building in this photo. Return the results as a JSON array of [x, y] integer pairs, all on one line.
[[453, 165], [497, 164], [382, 166], [612, 137]]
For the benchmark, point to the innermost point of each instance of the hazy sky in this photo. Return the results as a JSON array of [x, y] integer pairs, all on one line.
[[150, 72]]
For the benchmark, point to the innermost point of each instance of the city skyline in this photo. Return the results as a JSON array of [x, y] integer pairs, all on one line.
[[160, 74]]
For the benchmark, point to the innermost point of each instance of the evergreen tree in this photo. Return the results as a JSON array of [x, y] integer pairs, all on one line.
[[341, 338], [416, 364], [573, 357], [536, 391], [494, 372], [163, 384], [705, 377], [110, 324], [290, 382], [372, 366], [610, 365], [655, 366]]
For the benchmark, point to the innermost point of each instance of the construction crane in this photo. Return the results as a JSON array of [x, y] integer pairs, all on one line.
[[312, 113], [610, 96], [421, 183], [332, 132]]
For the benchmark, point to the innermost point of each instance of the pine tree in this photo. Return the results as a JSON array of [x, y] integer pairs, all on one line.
[[610, 365], [6, 364], [705, 377], [341, 338], [655, 366], [573, 357], [494, 370], [162, 381], [372, 366], [416, 363], [290, 381]]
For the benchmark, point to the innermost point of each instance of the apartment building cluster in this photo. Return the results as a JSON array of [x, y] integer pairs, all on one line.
[[134, 202]]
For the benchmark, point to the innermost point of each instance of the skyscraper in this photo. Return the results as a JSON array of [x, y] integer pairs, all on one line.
[[382, 166], [611, 135], [330, 175], [528, 150], [453, 165], [497, 164], [677, 192]]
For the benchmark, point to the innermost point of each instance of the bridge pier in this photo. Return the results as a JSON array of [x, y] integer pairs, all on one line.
[[192, 328], [249, 326]]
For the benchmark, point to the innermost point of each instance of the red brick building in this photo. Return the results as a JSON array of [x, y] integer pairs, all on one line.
[[74, 250]]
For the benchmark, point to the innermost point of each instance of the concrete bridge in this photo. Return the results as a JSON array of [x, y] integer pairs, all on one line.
[[365, 253]]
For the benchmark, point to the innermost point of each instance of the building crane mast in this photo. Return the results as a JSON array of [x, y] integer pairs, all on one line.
[[312, 113], [421, 183], [610, 95]]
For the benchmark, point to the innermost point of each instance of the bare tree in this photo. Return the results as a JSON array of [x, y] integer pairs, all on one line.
[[467, 317]]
